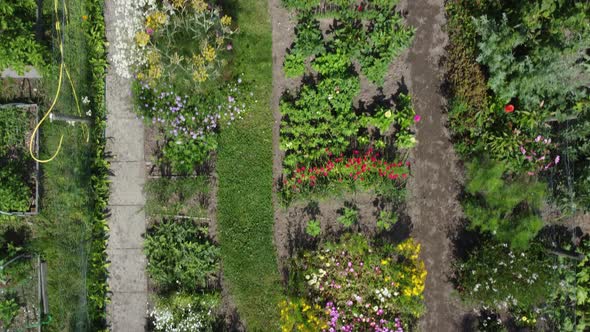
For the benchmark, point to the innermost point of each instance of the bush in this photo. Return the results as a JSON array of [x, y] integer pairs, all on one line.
[[15, 194], [506, 207], [180, 256], [351, 279], [349, 217], [495, 276], [19, 48]]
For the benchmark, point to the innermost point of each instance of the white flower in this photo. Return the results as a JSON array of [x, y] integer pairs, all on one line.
[[85, 100], [89, 113]]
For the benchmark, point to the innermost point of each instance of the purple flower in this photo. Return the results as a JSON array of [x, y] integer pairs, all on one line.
[[417, 118], [557, 159], [149, 31]]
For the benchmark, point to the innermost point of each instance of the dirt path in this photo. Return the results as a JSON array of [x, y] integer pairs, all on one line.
[[433, 203]]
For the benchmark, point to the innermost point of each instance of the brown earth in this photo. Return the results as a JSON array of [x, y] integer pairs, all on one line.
[[433, 203]]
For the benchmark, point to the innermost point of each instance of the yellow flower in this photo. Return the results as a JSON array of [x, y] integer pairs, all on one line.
[[140, 76], [200, 75], [209, 53], [198, 60], [142, 38], [155, 20], [178, 3], [219, 41], [384, 262], [155, 72], [388, 114], [84, 17], [199, 5], [226, 20]]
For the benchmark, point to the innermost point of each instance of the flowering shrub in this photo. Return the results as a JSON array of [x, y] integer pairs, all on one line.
[[149, 40], [185, 313], [167, 29], [363, 287]]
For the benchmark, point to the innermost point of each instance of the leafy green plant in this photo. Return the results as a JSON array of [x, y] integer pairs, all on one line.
[[506, 207], [387, 38], [294, 65], [19, 47], [8, 311], [308, 37], [313, 228], [180, 256], [349, 217], [14, 123], [386, 220], [15, 194]]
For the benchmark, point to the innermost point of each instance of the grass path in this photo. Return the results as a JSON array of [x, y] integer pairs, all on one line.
[[244, 167]]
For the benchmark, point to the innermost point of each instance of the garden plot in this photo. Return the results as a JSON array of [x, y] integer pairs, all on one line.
[[19, 172], [345, 127]]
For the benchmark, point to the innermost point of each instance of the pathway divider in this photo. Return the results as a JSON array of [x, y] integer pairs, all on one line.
[[433, 204], [127, 310]]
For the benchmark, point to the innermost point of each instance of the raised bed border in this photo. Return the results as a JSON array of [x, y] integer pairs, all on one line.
[[35, 209]]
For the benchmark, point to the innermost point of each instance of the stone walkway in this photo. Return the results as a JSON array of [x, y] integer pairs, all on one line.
[[434, 186], [125, 135]]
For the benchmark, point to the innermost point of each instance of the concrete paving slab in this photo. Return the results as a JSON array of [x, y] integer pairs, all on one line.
[[127, 270], [125, 140], [127, 226], [127, 312], [127, 183]]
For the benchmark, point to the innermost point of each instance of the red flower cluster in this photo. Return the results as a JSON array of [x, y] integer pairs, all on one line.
[[361, 167]]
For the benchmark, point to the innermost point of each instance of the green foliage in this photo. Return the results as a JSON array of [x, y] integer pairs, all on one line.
[[506, 207], [387, 38], [15, 194], [313, 228], [533, 53], [294, 65], [349, 217], [352, 277], [15, 164], [8, 311], [19, 48], [14, 124], [582, 282], [495, 276], [184, 312], [308, 37], [386, 220], [180, 256], [180, 196]]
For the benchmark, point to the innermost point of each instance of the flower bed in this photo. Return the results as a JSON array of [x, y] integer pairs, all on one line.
[[355, 286], [319, 121]]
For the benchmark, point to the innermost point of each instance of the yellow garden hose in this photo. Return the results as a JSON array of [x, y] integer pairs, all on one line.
[[62, 67]]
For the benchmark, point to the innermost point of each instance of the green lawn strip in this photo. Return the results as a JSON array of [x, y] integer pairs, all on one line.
[[244, 167]]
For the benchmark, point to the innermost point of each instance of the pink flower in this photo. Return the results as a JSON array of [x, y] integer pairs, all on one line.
[[557, 159], [149, 31], [417, 118], [229, 47]]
